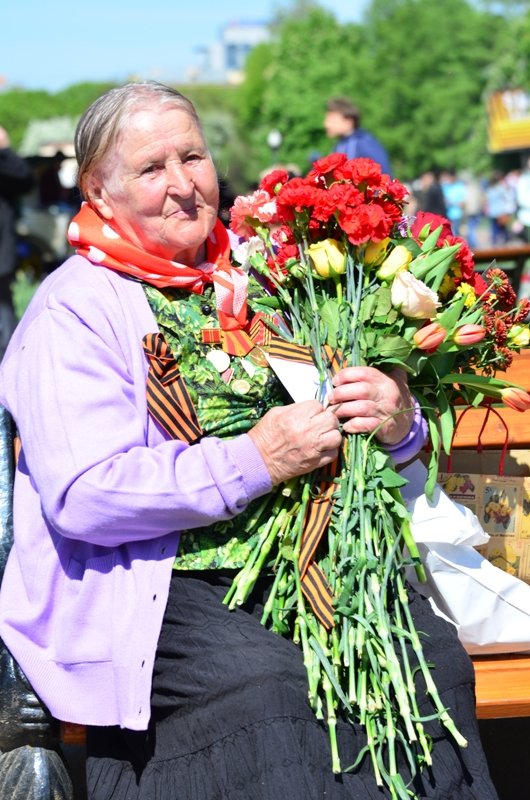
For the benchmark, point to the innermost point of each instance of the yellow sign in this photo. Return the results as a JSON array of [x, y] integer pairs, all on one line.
[[509, 121]]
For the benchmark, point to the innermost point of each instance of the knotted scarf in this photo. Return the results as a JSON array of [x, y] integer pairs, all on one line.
[[100, 243]]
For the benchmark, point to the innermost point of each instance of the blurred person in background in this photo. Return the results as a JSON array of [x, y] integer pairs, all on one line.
[[16, 178], [343, 122], [474, 202], [428, 193], [501, 207], [454, 190], [522, 194]]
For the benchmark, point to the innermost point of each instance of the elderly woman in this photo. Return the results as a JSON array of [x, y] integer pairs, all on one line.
[[131, 511]]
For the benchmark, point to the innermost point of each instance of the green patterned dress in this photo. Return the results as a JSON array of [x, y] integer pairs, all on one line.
[[227, 403]]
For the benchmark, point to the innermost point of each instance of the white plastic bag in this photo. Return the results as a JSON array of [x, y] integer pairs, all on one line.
[[489, 607]]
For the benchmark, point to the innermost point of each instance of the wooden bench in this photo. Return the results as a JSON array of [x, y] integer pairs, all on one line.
[[502, 681]]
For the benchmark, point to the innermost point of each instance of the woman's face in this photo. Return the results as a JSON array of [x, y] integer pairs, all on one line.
[[157, 185]]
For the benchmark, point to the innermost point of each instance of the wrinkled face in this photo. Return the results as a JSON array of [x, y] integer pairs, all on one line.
[[158, 186], [335, 124]]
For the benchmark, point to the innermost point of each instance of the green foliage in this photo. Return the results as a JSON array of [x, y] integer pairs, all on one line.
[[429, 107], [18, 107], [290, 91], [419, 71]]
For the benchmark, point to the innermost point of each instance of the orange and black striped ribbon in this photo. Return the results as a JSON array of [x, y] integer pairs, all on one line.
[[318, 592], [334, 359], [314, 584], [168, 400], [290, 351]]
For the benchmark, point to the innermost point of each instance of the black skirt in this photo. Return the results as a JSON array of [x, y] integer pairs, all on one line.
[[231, 719]]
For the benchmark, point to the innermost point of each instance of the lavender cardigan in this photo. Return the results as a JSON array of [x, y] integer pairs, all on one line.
[[100, 497]]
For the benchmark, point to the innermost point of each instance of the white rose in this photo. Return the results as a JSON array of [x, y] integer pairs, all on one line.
[[413, 297], [244, 251]]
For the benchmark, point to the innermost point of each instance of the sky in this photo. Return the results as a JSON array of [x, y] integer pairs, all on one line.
[[53, 44]]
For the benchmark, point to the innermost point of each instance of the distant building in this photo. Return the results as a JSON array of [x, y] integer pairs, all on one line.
[[224, 61]]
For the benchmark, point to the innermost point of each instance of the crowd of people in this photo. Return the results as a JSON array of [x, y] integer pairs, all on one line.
[[488, 211]]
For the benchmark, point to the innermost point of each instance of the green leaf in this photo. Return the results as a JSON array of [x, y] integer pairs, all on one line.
[[429, 412], [392, 479], [447, 419], [450, 316], [384, 303], [329, 314], [315, 644], [368, 307], [433, 267], [393, 346], [430, 238]]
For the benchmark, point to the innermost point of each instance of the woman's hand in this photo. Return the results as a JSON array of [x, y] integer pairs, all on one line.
[[363, 398], [296, 439]]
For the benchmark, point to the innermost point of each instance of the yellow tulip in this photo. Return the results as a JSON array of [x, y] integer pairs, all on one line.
[[398, 260], [375, 252], [328, 257]]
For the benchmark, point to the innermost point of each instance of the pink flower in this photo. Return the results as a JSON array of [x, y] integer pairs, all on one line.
[[469, 334], [429, 337], [516, 398], [248, 212]]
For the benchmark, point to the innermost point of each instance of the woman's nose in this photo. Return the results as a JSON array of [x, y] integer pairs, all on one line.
[[179, 181]]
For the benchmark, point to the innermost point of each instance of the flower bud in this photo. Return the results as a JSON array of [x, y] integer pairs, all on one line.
[[469, 334], [375, 252], [429, 337], [519, 335], [413, 297], [328, 257], [516, 398], [398, 260]]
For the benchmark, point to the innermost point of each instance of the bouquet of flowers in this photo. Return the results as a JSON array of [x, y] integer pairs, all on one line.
[[353, 281]]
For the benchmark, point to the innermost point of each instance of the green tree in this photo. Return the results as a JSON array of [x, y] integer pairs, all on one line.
[[428, 66], [419, 72], [288, 82]]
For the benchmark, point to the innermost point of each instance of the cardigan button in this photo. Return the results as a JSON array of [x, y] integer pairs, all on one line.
[[206, 309]]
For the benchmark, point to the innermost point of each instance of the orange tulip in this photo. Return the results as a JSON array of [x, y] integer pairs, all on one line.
[[516, 398], [469, 334], [430, 336]]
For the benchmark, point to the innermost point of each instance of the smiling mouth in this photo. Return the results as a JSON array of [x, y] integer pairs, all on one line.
[[183, 212]]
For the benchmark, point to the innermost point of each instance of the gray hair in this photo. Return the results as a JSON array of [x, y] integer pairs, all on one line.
[[105, 118]]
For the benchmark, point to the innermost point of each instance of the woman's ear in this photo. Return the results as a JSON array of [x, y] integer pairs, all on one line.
[[97, 197]]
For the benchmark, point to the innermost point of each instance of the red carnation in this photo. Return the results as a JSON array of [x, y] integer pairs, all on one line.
[[325, 166], [297, 195], [361, 171], [365, 223], [273, 180]]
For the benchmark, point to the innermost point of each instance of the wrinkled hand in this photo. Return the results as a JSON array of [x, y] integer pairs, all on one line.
[[296, 439], [363, 398]]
